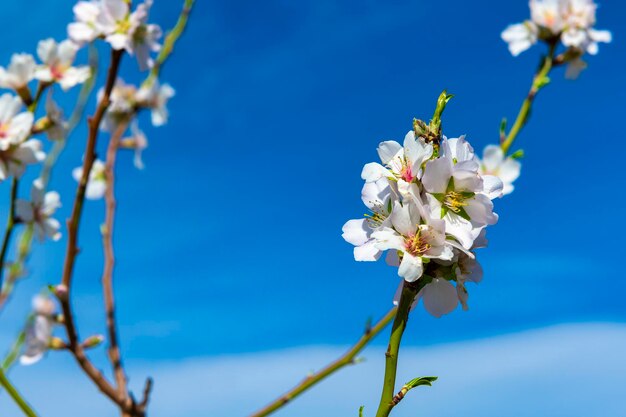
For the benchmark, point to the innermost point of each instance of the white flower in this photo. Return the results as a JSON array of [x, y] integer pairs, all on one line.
[[39, 211], [377, 196], [439, 297], [58, 126], [579, 17], [137, 141], [507, 169], [86, 27], [400, 162], [13, 161], [155, 97], [415, 237], [58, 60], [38, 330], [456, 192], [118, 24], [15, 127], [571, 21], [520, 37], [20, 72], [122, 104], [96, 185], [547, 14], [145, 38]]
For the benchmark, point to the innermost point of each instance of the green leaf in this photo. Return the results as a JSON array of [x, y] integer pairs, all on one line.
[[518, 154], [421, 381], [361, 410]]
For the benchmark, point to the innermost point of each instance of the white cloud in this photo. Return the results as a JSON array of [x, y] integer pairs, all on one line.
[[568, 370]]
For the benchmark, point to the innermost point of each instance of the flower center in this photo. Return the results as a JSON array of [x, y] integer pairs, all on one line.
[[122, 26], [377, 216], [407, 173], [417, 244], [58, 70], [455, 201]]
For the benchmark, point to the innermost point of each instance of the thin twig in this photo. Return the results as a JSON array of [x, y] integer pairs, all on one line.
[[109, 258], [9, 230], [347, 359]]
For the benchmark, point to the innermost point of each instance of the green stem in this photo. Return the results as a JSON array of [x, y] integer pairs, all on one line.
[[409, 291], [15, 395], [9, 230], [170, 40], [347, 359], [540, 80]]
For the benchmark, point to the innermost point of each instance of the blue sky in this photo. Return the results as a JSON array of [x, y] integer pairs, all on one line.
[[229, 242]]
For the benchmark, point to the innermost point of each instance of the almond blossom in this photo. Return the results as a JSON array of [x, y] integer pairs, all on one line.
[[155, 96], [402, 162], [19, 73], [57, 126], [137, 141], [13, 160], [96, 185], [14, 126], [145, 38], [39, 211], [38, 330], [455, 193], [506, 169], [57, 64], [377, 196], [569, 21], [416, 238], [85, 28], [429, 211]]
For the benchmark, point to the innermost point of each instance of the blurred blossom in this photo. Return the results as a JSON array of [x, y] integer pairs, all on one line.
[[569, 21], [38, 330], [14, 126], [96, 185], [57, 64], [20, 72], [155, 97], [507, 169], [39, 211], [13, 161], [136, 141]]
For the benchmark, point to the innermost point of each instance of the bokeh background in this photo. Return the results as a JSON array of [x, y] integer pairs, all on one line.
[[233, 280]]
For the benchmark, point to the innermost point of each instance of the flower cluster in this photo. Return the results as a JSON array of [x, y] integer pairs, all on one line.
[[113, 21], [569, 21], [430, 201]]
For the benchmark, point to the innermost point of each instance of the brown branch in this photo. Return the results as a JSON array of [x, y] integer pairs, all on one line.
[[109, 259], [64, 290]]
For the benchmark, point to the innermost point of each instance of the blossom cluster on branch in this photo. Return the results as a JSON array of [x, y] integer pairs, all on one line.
[[570, 22], [430, 201]]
